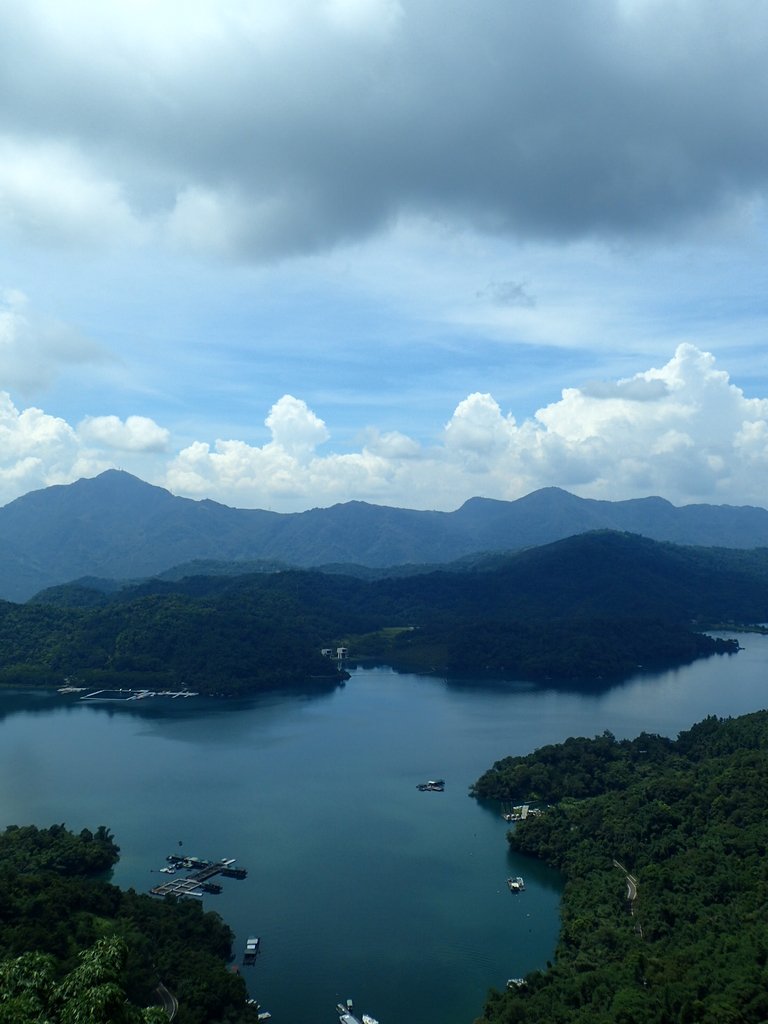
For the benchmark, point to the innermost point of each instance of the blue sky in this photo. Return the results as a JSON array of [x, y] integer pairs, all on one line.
[[404, 252]]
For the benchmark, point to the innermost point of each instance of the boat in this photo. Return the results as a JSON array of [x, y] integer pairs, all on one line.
[[432, 786], [251, 950], [516, 884], [346, 1016], [260, 1014]]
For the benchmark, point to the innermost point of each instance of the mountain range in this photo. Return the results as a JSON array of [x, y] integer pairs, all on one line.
[[116, 526]]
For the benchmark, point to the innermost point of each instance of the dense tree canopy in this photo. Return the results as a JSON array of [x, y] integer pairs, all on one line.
[[688, 820], [594, 606], [76, 950]]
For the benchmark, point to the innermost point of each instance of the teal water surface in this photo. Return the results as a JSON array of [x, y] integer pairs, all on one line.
[[359, 885]]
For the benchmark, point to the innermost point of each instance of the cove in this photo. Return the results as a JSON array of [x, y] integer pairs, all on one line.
[[359, 885]]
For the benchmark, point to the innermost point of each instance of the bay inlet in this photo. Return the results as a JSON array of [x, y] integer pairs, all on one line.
[[359, 885]]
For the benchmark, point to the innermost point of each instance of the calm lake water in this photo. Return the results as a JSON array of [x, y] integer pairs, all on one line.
[[359, 885]]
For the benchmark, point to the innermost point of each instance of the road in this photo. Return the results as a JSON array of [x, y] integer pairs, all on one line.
[[631, 886], [169, 1001]]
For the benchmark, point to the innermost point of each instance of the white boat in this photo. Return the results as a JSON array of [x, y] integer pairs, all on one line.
[[516, 884], [346, 1015]]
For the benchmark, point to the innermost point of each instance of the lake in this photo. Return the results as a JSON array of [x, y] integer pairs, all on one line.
[[359, 885]]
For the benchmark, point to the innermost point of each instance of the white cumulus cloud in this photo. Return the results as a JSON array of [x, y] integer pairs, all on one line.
[[295, 428], [682, 430], [36, 450], [134, 434]]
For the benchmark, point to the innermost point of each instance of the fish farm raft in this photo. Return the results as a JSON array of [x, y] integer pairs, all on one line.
[[198, 881]]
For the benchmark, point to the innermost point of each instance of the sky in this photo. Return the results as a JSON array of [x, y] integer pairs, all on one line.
[[399, 251]]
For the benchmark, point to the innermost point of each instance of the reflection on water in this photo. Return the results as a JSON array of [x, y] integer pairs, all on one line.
[[358, 884]]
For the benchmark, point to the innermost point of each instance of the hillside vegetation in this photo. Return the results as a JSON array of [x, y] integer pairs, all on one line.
[[597, 605], [74, 948], [688, 821]]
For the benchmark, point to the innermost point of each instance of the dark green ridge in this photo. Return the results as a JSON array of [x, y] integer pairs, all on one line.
[[596, 605]]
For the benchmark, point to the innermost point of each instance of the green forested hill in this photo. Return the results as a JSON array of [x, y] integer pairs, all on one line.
[[74, 948], [688, 820], [595, 605]]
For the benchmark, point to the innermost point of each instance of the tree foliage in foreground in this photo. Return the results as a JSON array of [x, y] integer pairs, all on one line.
[[689, 820], [76, 950], [91, 993]]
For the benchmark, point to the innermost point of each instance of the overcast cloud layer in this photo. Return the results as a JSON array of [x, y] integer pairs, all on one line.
[[297, 253], [257, 130]]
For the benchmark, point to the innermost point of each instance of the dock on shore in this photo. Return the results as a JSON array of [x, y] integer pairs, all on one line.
[[519, 812]]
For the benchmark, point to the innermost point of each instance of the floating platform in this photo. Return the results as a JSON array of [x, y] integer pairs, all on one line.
[[127, 694], [198, 881], [178, 887]]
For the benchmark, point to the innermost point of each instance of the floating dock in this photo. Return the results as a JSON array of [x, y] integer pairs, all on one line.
[[126, 693], [198, 881]]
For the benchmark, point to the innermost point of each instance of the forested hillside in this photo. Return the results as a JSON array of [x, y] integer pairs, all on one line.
[[74, 948], [687, 820], [598, 605]]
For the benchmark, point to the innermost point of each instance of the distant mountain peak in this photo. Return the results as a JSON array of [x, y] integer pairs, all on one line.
[[118, 526]]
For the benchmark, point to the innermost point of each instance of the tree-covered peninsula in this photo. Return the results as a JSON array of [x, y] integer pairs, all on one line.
[[74, 948], [663, 847]]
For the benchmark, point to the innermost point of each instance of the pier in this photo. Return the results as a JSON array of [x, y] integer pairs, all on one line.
[[198, 881], [125, 694]]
